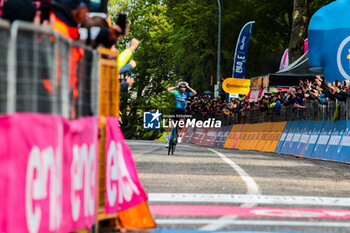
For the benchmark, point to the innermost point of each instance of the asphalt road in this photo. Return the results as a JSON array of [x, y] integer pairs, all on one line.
[[221, 190]]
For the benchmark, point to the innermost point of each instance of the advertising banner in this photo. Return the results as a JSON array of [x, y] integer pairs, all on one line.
[[204, 135], [305, 132], [123, 187], [323, 139], [231, 137], [189, 134], [238, 86], [293, 145], [287, 141], [331, 151], [314, 132], [225, 135], [222, 136], [80, 172], [262, 137], [241, 52], [278, 129], [343, 151], [269, 131], [34, 173]]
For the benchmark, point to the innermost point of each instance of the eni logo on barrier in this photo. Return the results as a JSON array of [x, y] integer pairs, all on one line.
[[151, 120], [236, 85], [343, 58]]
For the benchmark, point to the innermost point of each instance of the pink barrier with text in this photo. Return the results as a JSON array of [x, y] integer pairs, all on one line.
[[81, 158], [43, 152], [123, 187]]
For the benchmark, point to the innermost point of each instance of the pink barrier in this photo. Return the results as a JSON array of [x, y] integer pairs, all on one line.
[[80, 173], [34, 158], [123, 187], [48, 173]]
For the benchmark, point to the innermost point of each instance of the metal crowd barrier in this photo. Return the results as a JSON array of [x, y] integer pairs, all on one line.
[[44, 72], [313, 112], [4, 40]]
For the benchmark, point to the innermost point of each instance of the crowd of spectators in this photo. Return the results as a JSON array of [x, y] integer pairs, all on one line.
[[316, 90]]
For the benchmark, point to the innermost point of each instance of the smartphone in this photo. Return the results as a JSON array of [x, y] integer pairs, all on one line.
[[130, 74], [121, 22]]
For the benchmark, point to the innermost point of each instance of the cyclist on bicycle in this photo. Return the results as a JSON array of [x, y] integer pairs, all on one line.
[[181, 98]]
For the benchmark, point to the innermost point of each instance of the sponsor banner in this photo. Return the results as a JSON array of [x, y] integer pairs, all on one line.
[[122, 184], [81, 160], [225, 135], [222, 136], [242, 137], [305, 128], [269, 136], [41, 158], [314, 133], [189, 134], [232, 135], [210, 136], [262, 136], [331, 151], [323, 139], [34, 189], [204, 134], [297, 127], [278, 129], [343, 151], [256, 136], [241, 52], [198, 136], [237, 136], [288, 139], [237, 86]]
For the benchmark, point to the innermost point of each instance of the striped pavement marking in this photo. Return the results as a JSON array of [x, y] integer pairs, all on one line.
[[251, 222], [257, 199], [195, 210], [220, 231]]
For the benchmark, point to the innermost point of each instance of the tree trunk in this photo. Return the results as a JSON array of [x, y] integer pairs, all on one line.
[[299, 30]]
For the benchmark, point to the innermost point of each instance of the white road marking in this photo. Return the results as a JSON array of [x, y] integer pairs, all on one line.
[[254, 199], [252, 189], [250, 222]]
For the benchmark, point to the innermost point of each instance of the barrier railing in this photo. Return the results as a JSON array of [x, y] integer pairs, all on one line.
[[44, 72], [313, 112]]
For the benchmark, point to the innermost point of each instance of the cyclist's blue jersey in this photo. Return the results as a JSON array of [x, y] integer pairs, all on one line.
[[181, 98]]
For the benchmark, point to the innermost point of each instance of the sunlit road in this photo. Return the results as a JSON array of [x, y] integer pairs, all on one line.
[[199, 188]]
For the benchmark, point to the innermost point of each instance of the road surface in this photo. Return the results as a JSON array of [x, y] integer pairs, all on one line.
[[224, 190]]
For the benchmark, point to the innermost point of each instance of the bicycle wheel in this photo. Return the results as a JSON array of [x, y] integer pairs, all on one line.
[[172, 142]]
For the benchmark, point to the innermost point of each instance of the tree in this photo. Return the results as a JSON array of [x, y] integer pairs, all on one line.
[[299, 30]]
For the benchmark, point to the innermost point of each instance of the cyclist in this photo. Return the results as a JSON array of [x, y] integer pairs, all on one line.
[[181, 99]]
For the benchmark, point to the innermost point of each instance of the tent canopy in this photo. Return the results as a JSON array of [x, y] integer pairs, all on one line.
[[290, 76]]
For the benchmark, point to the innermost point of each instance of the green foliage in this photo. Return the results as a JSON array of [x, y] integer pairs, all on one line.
[[179, 42]]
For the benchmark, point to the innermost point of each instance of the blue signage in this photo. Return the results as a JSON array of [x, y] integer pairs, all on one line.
[[240, 59]]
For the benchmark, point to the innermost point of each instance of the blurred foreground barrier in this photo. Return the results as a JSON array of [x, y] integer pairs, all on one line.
[[324, 140], [64, 163], [49, 171]]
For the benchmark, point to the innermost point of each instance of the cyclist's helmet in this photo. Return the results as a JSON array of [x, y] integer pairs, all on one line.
[[182, 85]]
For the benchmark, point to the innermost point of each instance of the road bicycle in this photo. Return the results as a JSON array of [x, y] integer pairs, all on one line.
[[174, 134]]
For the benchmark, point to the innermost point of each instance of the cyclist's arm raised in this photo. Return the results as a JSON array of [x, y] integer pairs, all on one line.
[[171, 88], [190, 88]]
